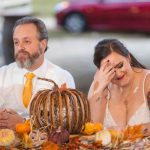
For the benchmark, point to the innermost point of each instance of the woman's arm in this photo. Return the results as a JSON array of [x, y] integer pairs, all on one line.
[[97, 103], [97, 93]]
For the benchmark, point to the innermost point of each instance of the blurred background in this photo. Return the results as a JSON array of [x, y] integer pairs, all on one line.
[[76, 26]]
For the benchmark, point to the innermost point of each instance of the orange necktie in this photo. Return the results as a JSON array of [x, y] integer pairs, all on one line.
[[27, 91]]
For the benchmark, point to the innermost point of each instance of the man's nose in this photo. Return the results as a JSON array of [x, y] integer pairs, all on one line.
[[21, 46]]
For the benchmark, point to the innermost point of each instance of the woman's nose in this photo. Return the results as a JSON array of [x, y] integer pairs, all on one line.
[[118, 72]]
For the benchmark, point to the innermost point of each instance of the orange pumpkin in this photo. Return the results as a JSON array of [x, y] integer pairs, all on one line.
[[22, 128], [98, 127], [91, 128]]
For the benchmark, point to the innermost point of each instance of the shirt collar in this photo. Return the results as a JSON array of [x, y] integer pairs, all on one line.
[[39, 72]]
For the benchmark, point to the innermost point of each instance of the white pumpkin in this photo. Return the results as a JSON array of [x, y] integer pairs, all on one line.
[[103, 136]]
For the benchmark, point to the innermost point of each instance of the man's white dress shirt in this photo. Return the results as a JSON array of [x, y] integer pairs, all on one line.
[[12, 81]]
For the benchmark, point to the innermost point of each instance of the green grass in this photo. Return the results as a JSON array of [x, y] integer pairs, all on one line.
[[44, 7]]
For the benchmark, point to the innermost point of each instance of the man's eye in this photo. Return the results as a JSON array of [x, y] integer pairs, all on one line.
[[15, 43], [27, 42]]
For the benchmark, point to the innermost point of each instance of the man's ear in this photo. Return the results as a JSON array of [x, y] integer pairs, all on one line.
[[43, 45]]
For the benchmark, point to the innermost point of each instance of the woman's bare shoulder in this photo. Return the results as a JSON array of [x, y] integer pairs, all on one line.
[[144, 75]]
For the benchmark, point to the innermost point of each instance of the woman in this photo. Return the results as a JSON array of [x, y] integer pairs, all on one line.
[[120, 91]]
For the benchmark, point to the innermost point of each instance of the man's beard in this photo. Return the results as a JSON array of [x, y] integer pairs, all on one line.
[[28, 59]]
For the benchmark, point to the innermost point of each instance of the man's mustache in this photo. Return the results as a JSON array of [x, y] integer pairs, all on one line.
[[22, 52]]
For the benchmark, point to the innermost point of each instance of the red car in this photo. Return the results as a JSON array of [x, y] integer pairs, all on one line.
[[118, 15]]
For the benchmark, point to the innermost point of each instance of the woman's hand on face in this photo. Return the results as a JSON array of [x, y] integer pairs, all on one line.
[[103, 76]]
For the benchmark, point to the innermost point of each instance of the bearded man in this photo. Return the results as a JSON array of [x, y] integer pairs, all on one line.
[[30, 39]]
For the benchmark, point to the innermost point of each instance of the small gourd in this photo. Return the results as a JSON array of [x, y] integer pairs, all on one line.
[[59, 136], [91, 128], [22, 128]]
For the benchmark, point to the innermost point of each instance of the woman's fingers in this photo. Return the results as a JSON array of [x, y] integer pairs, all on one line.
[[103, 76], [109, 69], [105, 65], [111, 74], [104, 72]]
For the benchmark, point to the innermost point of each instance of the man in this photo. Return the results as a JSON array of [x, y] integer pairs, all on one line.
[[30, 43]]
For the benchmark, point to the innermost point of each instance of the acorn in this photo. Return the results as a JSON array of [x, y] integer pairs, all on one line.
[[59, 136]]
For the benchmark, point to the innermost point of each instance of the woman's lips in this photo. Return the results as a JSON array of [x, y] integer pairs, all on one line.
[[119, 78]]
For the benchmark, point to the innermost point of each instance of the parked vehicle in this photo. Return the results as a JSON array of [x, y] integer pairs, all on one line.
[[119, 15]]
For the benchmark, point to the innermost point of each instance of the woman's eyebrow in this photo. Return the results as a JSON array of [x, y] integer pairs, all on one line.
[[118, 64]]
